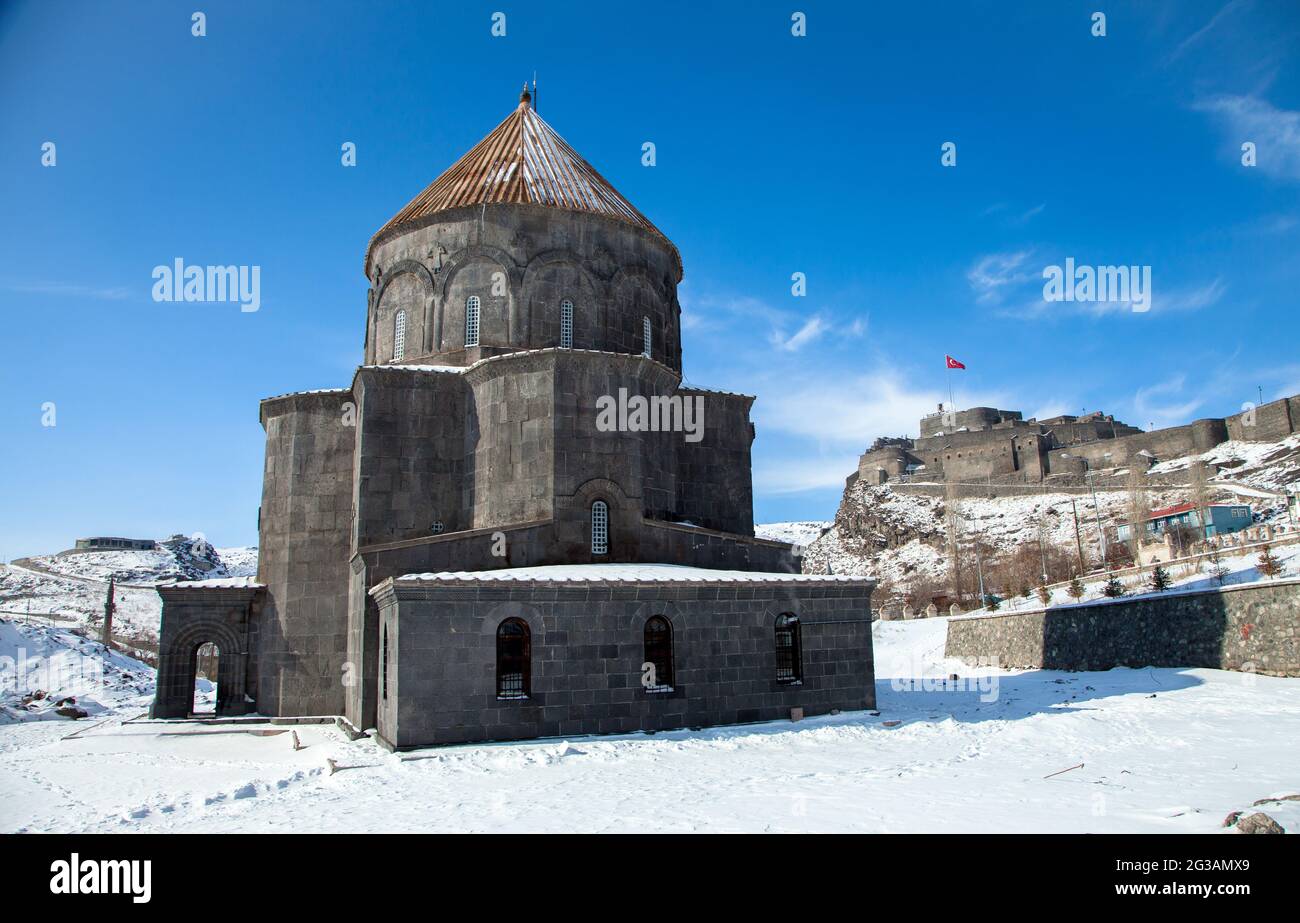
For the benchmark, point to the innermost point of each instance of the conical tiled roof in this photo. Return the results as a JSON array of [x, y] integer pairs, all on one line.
[[522, 160]]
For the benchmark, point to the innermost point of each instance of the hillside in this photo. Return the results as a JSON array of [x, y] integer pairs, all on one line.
[[71, 589], [899, 536]]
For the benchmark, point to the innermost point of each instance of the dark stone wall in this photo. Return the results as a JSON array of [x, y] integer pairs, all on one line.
[[587, 655], [714, 480], [410, 454], [522, 261], [642, 465], [305, 534], [1254, 628], [192, 617], [510, 441]]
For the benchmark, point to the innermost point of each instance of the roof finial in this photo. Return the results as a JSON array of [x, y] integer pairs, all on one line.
[[525, 97]]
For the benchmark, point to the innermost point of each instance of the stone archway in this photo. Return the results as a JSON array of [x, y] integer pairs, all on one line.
[[192, 618]]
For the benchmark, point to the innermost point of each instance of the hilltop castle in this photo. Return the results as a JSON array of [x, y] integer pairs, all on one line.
[[991, 446], [467, 544]]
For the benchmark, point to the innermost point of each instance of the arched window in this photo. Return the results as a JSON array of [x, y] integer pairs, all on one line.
[[514, 660], [789, 652], [471, 321], [600, 527], [399, 336], [659, 654], [645, 336], [566, 324]]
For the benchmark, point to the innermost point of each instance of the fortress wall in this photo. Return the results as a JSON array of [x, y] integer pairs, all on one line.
[[409, 460], [305, 537], [1162, 443], [973, 418], [1271, 422], [893, 459]]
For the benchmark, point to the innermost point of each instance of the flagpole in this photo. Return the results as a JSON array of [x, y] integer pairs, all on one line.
[[952, 403]]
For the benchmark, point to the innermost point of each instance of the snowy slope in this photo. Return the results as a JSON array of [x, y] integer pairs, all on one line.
[[71, 589], [41, 665], [1162, 750], [796, 533]]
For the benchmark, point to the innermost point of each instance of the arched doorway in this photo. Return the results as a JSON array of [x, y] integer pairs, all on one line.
[[205, 677]]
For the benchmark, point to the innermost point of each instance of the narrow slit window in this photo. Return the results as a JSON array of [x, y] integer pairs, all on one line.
[[399, 336], [471, 321], [566, 324], [600, 527], [645, 336]]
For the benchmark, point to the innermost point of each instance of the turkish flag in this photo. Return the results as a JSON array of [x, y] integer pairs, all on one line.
[[953, 363]]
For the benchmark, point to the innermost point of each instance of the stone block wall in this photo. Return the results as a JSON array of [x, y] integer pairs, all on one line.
[[522, 261], [410, 454], [587, 656], [1254, 627], [198, 615], [714, 480], [305, 538], [510, 441]]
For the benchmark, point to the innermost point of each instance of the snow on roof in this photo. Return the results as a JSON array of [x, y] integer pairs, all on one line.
[[450, 369], [276, 397], [217, 583], [623, 573]]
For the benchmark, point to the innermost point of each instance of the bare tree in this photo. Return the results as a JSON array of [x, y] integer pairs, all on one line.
[[952, 511], [1139, 509], [1200, 490]]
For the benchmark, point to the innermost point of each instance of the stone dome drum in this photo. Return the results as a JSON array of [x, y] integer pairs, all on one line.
[[521, 244]]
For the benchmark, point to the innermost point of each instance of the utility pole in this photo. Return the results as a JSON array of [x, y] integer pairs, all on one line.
[[109, 606], [1078, 539]]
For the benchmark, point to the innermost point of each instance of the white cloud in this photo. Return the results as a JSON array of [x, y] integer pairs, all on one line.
[[1275, 132], [993, 273], [774, 477], [812, 328], [72, 291], [1159, 404]]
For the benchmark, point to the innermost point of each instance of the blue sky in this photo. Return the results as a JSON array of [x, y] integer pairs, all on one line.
[[776, 154]]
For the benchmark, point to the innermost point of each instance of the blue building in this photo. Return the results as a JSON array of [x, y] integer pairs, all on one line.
[[1219, 519]]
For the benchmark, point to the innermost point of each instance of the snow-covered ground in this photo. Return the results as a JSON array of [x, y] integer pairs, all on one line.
[[1162, 750]]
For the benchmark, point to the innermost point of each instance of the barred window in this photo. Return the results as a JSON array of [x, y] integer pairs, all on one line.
[[659, 654], [600, 527], [399, 336], [566, 324], [789, 653], [514, 660], [645, 336], [471, 321]]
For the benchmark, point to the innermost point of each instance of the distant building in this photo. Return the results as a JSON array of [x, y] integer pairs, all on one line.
[[986, 445], [1220, 519], [112, 543]]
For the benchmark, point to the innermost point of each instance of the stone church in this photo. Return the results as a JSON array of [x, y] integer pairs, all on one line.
[[460, 546]]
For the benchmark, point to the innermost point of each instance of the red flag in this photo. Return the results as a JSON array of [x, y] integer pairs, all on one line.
[[953, 363]]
